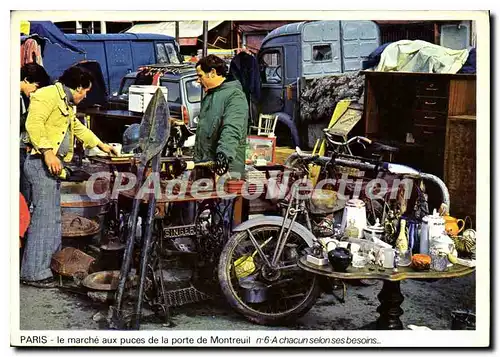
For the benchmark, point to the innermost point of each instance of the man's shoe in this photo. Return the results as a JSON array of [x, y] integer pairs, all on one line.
[[48, 283]]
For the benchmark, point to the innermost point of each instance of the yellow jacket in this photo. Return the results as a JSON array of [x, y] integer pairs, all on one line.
[[48, 119]]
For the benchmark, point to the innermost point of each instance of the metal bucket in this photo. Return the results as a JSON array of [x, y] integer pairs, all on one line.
[[255, 292], [111, 256]]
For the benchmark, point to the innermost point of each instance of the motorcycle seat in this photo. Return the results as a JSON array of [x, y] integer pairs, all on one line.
[[379, 147]]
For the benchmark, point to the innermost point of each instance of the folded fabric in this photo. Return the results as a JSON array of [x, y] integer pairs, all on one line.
[[421, 56]]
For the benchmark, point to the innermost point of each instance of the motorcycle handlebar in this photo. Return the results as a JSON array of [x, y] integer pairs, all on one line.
[[359, 139]]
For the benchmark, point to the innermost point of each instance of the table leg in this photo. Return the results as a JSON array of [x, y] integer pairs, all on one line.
[[390, 298]]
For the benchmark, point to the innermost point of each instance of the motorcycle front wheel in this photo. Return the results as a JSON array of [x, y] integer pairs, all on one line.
[[264, 295]]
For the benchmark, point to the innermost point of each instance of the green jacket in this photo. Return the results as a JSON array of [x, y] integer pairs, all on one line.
[[222, 125]]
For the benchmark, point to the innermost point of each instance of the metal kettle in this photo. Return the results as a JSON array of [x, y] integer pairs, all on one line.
[[340, 258]]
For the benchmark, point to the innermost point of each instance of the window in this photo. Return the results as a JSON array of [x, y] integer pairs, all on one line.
[[161, 53], [322, 53], [172, 54], [193, 90], [126, 84], [174, 93], [271, 69]]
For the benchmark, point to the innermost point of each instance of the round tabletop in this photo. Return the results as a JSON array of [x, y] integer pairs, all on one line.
[[376, 272]]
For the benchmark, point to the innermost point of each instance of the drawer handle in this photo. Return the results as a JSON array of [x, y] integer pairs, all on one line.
[[430, 103], [432, 118], [433, 89], [428, 132]]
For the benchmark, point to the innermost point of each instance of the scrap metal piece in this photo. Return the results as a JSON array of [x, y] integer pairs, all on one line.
[[154, 133]]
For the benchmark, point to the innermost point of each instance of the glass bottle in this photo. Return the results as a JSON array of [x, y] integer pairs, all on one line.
[[351, 231], [402, 245]]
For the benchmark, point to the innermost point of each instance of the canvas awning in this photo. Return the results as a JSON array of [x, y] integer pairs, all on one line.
[[260, 26], [189, 31], [46, 30]]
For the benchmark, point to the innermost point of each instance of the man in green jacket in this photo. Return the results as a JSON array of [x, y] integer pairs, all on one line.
[[223, 119]]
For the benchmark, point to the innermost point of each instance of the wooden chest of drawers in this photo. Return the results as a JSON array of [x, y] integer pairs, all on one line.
[[412, 111]]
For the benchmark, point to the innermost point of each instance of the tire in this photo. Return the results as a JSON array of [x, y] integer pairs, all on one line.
[[271, 311]]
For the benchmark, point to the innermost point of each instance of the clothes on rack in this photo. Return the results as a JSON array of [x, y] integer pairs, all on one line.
[[31, 52], [245, 68]]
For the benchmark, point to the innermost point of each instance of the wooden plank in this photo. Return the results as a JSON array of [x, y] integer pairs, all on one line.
[[462, 117], [462, 97], [370, 109]]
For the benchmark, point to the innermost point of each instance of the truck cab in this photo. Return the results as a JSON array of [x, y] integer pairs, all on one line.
[[296, 52]]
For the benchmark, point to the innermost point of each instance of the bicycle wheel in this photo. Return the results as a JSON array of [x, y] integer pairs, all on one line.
[[288, 293]]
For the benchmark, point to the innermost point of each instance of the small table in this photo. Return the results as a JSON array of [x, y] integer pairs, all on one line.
[[390, 296]]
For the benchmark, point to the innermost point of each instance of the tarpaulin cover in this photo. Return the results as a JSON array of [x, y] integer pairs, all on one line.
[[256, 26], [48, 31], [421, 56]]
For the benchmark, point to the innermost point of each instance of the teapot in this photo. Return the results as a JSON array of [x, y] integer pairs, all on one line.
[[340, 258], [452, 225]]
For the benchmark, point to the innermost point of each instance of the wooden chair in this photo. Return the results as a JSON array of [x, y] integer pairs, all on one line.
[[267, 125]]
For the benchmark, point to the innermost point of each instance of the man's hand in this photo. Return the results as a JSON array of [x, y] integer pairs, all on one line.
[[108, 149], [53, 163]]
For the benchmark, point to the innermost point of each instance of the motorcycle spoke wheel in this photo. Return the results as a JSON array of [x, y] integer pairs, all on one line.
[[289, 292]]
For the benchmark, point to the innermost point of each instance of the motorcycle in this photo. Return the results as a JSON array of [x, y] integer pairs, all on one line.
[[258, 271]]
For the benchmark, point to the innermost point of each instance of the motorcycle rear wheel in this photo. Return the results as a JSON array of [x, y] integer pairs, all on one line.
[[295, 291]]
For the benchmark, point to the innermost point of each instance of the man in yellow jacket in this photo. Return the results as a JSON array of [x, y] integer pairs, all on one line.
[[52, 126]]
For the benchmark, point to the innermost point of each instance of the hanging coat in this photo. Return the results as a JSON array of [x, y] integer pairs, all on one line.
[[245, 68]]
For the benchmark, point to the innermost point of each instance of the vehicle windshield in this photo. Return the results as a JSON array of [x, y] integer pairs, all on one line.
[[172, 53], [166, 53], [193, 90]]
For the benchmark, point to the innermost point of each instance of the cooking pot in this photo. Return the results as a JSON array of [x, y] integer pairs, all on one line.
[[111, 254], [254, 292], [340, 258]]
